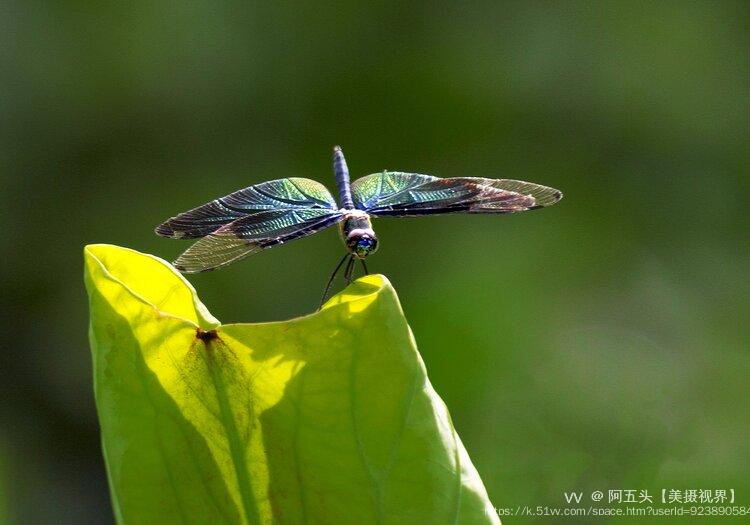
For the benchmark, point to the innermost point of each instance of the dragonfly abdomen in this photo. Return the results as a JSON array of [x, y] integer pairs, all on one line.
[[341, 171]]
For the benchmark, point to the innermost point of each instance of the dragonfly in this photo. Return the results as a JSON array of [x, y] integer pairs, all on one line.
[[275, 212]]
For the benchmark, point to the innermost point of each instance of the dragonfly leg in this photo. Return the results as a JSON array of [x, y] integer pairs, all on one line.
[[349, 270], [330, 281], [364, 266]]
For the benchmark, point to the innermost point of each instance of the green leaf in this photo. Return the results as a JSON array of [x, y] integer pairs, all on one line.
[[328, 418]]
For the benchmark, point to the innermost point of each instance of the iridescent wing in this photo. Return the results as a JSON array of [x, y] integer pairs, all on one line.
[[278, 194], [250, 220], [251, 234], [398, 194]]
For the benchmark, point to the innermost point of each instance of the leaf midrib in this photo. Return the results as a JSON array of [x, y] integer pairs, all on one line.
[[236, 448]]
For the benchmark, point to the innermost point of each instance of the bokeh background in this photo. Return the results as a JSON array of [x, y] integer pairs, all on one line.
[[599, 344]]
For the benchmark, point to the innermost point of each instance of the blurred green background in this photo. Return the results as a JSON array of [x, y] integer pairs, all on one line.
[[599, 344]]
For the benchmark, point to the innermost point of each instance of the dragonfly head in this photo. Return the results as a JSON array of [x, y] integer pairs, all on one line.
[[362, 242]]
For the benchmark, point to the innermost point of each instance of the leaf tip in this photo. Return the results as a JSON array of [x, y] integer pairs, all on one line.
[[364, 290]]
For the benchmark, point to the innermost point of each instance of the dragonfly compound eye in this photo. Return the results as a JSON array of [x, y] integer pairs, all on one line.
[[362, 245]]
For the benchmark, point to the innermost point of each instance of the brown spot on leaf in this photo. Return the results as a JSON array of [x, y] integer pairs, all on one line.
[[206, 335]]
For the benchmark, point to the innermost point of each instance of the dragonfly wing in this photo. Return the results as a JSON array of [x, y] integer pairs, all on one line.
[[398, 194], [543, 195], [252, 233], [373, 190], [281, 194]]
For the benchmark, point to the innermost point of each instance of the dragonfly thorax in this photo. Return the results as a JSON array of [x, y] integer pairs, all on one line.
[[358, 235]]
